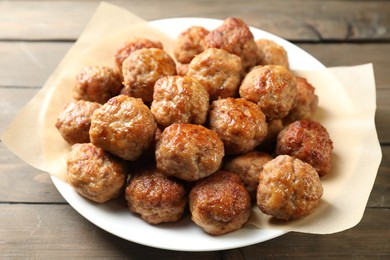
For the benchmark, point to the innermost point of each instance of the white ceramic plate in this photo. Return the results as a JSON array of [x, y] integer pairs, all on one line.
[[115, 218]]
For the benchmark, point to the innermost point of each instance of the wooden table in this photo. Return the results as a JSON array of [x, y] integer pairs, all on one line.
[[36, 222]]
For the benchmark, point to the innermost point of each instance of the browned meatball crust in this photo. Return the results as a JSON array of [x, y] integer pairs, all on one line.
[[132, 45], [307, 102], [189, 152], [97, 83], [219, 203], [149, 155], [182, 69], [94, 173], [248, 167], [142, 69], [288, 188], [235, 37], [271, 53], [74, 121], [272, 87], [309, 141], [189, 43], [178, 99], [123, 126], [239, 123], [269, 142], [156, 197], [219, 72]]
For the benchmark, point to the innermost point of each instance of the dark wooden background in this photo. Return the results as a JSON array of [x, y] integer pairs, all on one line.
[[36, 222]]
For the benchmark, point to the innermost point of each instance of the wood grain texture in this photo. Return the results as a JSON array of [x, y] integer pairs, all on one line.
[[382, 116], [29, 64], [364, 241], [344, 54], [44, 231], [380, 194], [21, 183], [294, 20]]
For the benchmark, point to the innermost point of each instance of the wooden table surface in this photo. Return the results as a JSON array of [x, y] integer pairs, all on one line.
[[36, 222]]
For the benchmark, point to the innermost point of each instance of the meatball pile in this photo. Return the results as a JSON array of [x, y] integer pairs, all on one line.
[[218, 127]]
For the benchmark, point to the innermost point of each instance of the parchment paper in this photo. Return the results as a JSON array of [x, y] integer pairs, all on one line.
[[346, 108]]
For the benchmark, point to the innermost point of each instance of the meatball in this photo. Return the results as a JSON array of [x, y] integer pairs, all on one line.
[[132, 45], [218, 71], [178, 99], [189, 152], [219, 203], [156, 197], [235, 37], [309, 141], [269, 142], [74, 121], [149, 156], [94, 173], [271, 53], [288, 188], [123, 126], [239, 123], [307, 102], [189, 43], [272, 87], [182, 69], [97, 84], [248, 167], [142, 69]]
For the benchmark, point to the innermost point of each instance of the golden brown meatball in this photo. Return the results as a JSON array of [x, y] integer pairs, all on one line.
[[142, 69], [235, 37], [156, 197], [189, 43], [269, 142], [219, 203], [132, 45], [182, 69], [272, 87], [94, 173], [123, 126], [74, 121], [239, 123], [178, 99], [97, 83], [288, 188], [309, 141], [149, 156], [218, 71], [271, 53], [189, 152], [248, 167], [307, 102]]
